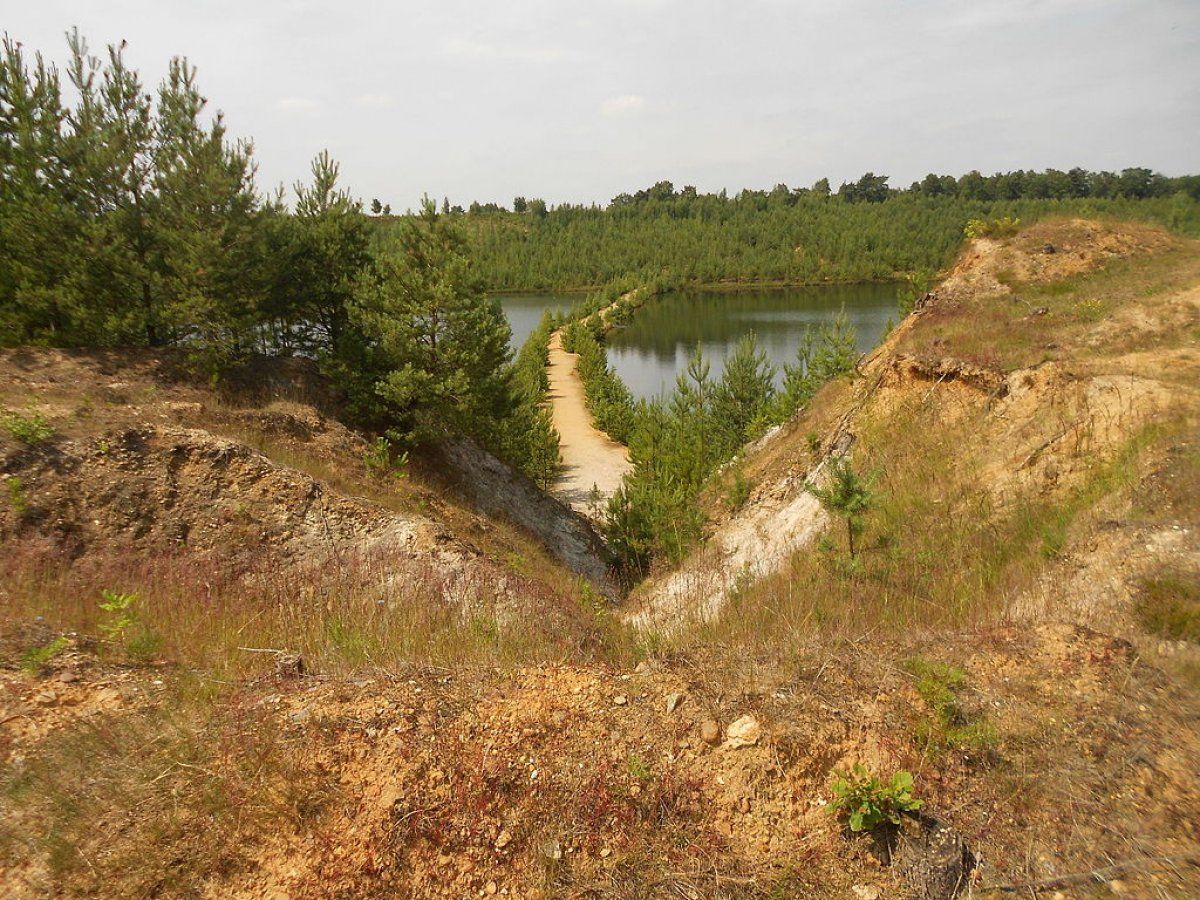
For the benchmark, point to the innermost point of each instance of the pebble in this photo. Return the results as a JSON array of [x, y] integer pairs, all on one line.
[[865, 892], [710, 731], [605, 853], [673, 701], [504, 840], [68, 677], [620, 700], [744, 732]]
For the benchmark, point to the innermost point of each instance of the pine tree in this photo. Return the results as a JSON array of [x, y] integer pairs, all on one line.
[[205, 223], [113, 153], [322, 251], [848, 496], [38, 227], [439, 344], [742, 396]]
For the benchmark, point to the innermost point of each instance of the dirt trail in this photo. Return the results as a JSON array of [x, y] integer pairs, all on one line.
[[593, 463]]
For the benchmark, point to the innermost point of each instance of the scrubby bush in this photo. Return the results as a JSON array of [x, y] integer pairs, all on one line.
[[29, 429], [867, 803], [1005, 226]]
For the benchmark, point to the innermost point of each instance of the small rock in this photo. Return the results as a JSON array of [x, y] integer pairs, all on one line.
[[491, 888], [1048, 248], [710, 731], [504, 840], [289, 665], [866, 891], [68, 677], [673, 701], [605, 853], [300, 716], [552, 851], [45, 698], [620, 700], [744, 732]]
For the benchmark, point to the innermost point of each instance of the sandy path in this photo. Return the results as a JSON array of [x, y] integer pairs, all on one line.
[[593, 463]]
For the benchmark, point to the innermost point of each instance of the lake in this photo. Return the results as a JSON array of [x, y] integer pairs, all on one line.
[[655, 346], [651, 351], [524, 311]]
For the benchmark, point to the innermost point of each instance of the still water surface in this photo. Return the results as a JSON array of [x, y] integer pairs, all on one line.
[[654, 348], [524, 311]]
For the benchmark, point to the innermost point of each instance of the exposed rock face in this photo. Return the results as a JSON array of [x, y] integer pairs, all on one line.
[[499, 490], [169, 487]]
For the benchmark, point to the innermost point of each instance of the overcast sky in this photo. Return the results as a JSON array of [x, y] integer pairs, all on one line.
[[578, 101]]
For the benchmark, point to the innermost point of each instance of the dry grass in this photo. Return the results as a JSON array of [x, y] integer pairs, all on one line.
[[198, 777], [1169, 605], [356, 613], [1043, 321], [939, 552]]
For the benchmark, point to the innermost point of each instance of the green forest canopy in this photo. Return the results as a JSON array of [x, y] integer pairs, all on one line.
[[865, 230]]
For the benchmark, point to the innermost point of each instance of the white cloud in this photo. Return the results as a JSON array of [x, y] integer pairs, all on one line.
[[623, 105], [374, 101], [296, 105]]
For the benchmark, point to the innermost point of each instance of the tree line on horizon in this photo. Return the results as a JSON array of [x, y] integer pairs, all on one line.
[[865, 230], [131, 219]]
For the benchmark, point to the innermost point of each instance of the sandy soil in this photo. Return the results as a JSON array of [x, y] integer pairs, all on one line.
[[593, 463]]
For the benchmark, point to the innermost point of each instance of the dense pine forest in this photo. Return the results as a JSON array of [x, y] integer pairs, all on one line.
[[863, 231], [131, 219]]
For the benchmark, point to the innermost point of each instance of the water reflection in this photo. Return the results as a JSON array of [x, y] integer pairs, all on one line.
[[524, 311], [656, 345]]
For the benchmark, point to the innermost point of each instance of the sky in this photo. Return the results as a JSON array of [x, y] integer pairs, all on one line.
[[578, 101]]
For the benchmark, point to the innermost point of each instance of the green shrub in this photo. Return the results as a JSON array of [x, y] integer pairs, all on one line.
[[1005, 226], [35, 659], [949, 726], [121, 612], [382, 462], [16, 497], [847, 495], [867, 803], [916, 285], [32, 429], [124, 625]]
